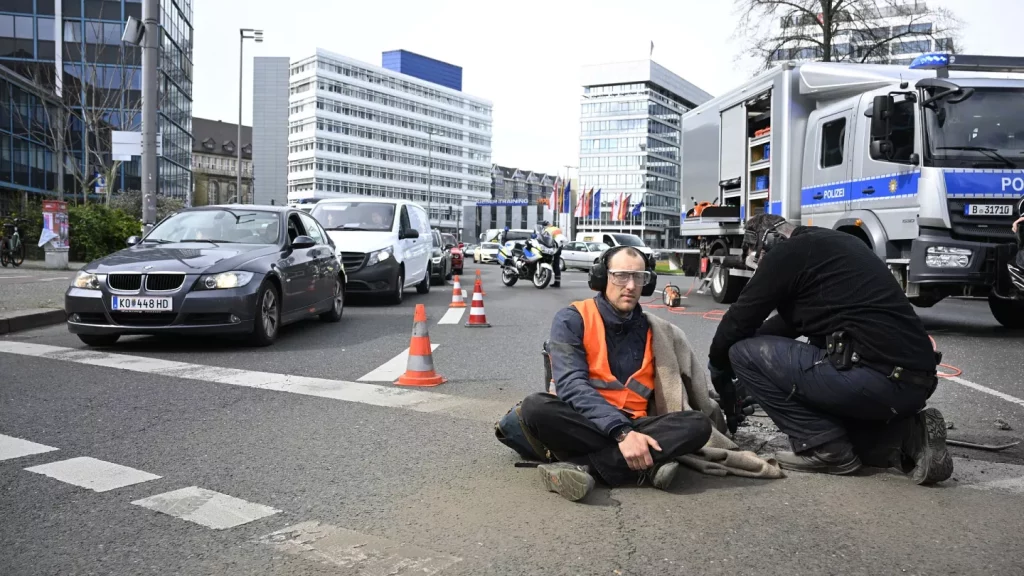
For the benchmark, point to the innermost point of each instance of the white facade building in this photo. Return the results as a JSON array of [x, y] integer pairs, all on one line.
[[355, 128], [630, 147], [908, 25]]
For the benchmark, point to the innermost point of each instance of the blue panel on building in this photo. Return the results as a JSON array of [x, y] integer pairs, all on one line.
[[412, 64]]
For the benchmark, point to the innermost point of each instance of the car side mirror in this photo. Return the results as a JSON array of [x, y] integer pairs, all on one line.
[[449, 246], [882, 107], [132, 240], [410, 233], [301, 242]]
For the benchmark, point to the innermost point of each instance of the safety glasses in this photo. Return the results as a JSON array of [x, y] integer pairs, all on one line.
[[622, 277]]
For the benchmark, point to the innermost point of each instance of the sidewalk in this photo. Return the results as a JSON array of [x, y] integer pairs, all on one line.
[[32, 296]]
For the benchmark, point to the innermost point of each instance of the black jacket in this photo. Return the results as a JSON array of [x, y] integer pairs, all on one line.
[[626, 339], [820, 281]]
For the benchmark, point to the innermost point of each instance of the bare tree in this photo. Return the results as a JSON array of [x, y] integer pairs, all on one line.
[[98, 96], [840, 30]]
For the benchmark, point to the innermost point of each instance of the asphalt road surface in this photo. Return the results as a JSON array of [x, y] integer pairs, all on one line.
[[164, 456]]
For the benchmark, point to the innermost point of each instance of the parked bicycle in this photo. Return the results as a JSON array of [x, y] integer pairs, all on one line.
[[12, 250]]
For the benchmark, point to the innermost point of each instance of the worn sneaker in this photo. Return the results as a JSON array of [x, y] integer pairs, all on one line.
[[832, 458], [570, 481], [665, 474], [926, 446]]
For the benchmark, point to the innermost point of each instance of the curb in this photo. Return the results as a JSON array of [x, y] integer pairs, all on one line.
[[29, 319]]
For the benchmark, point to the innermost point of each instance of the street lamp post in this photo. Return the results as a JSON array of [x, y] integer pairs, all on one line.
[[243, 35]]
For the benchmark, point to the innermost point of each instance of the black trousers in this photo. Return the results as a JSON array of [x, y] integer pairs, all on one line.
[[572, 438], [814, 404], [557, 265]]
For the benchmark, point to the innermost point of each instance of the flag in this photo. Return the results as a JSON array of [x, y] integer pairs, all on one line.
[[636, 209], [624, 207], [595, 211], [613, 215], [554, 195], [581, 206], [652, 48], [566, 196]]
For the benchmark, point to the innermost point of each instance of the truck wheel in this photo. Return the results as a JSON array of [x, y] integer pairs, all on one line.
[[725, 289], [1009, 313]]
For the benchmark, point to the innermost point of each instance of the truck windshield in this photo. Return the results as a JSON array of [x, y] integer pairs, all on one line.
[[984, 131]]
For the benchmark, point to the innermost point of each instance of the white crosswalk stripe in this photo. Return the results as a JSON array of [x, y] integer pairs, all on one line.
[[392, 369], [96, 475], [206, 507], [11, 447]]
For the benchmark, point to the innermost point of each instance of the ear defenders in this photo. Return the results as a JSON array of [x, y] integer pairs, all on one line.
[[598, 277], [762, 244]]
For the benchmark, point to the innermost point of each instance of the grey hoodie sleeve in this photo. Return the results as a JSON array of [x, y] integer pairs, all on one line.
[[571, 372]]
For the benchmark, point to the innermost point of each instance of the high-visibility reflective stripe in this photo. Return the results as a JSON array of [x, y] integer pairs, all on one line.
[[421, 364], [419, 329], [603, 385], [639, 388]]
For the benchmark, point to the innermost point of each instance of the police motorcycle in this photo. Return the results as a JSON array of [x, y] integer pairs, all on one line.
[[527, 260]]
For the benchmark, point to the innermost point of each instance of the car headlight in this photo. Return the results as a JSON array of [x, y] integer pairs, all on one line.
[[225, 280], [379, 256], [947, 257], [88, 280]]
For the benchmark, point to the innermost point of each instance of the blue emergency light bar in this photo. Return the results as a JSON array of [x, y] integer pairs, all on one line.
[[943, 62]]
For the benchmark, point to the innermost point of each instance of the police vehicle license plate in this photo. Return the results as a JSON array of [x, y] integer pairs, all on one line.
[[988, 210], [136, 304]]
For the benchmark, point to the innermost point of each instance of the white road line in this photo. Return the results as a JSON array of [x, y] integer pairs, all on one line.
[[206, 507], [11, 447], [987, 390], [452, 316], [385, 396], [2, 277], [356, 553], [55, 279], [392, 369], [96, 475]]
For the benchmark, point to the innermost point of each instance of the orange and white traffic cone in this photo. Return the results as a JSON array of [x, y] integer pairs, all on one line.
[[419, 370], [477, 315], [480, 282], [457, 300]]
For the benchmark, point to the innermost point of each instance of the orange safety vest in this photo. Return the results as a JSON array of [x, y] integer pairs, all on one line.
[[631, 397]]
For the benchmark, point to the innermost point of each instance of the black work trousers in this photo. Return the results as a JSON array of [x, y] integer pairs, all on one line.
[[572, 438], [814, 404]]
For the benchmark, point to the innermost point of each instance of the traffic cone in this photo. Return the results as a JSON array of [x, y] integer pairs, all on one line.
[[477, 315], [457, 300], [419, 370], [480, 282]]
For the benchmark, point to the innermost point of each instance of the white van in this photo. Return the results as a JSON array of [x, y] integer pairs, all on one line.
[[384, 244], [613, 239]]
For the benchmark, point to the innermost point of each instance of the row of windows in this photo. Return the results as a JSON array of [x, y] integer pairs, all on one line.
[[616, 89], [361, 151], [297, 127], [345, 187], [372, 77], [616, 126], [613, 163], [396, 102], [870, 50], [597, 145], [382, 173], [629, 182], [371, 115], [616, 108], [26, 163], [175, 181]]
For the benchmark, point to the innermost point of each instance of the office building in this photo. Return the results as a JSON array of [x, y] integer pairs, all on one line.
[[518, 200], [270, 129], [82, 38], [215, 163], [356, 128], [26, 160], [630, 119], [907, 24]]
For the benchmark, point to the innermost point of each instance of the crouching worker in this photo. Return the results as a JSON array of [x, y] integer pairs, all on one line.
[[608, 418]]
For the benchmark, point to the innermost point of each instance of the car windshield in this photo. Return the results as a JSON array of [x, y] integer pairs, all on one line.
[[449, 239], [219, 225], [489, 246], [517, 235], [369, 216], [985, 130], [627, 240], [597, 245]]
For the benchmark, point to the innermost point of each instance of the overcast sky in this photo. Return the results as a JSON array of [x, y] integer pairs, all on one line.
[[524, 56]]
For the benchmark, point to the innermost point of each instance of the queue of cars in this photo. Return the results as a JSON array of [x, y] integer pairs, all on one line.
[[249, 270]]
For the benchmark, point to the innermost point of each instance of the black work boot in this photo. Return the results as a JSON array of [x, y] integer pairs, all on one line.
[[835, 457], [665, 474], [925, 445], [557, 283], [570, 481]]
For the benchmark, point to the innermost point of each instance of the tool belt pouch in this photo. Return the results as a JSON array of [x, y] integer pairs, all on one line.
[[511, 432], [839, 347]]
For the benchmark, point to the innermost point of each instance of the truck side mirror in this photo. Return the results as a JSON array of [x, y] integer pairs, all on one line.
[[883, 106]]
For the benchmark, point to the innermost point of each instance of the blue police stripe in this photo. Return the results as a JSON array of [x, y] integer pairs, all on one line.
[[974, 183], [875, 188], [775, 208]]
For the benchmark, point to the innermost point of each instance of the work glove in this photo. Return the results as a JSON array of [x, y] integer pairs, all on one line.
[[734, 408]]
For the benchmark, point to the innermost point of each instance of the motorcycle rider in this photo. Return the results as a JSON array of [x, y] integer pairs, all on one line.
[[551, 237]]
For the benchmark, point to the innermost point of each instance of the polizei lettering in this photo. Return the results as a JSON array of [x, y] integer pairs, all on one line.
[[1016, 184], [835, 193]]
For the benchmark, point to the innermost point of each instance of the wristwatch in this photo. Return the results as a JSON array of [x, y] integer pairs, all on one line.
[[623, 432]]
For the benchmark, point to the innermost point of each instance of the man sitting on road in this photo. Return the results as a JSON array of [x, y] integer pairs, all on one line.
[[599, 421], [856, 393]]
